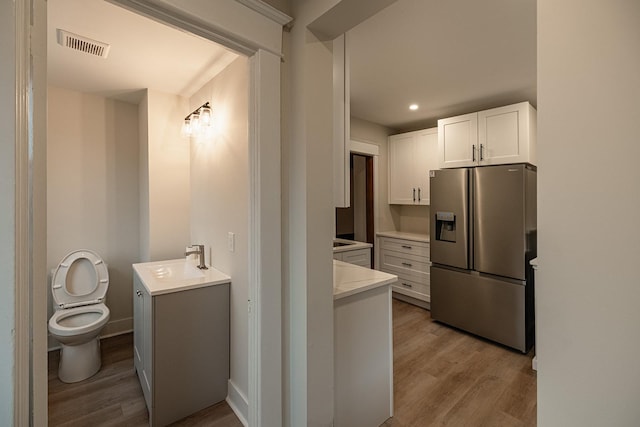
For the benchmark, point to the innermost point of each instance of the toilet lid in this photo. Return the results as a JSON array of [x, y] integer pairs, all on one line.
[[80, 279]]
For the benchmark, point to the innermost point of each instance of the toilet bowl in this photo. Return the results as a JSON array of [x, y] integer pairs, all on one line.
[[79, 286]]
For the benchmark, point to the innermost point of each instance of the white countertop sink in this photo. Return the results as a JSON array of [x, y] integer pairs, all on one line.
[[161, 277]]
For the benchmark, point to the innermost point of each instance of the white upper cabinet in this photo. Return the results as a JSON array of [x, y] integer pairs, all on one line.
[[458, 141], [411, 156], [507, 134], [497, 136]]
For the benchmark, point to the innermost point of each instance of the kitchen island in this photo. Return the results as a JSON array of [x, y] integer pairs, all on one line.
[[363, 345]]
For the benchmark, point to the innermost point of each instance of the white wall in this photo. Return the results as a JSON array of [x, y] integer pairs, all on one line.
[[7, 211], [588, 285], [92, 186], [165, 164], [220, 198]]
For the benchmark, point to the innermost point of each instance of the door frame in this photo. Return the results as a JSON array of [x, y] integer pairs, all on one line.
[[262, 44]]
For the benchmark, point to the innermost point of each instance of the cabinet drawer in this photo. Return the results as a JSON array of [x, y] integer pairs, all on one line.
[[405, 246], [402, 264], [413, 286]]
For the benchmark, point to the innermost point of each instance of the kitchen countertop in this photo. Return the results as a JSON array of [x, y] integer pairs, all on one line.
[[352, 245], [175, 275], [416, 237], [350, 279]]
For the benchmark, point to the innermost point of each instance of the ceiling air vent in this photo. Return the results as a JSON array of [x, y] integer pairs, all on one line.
[[83, 44]]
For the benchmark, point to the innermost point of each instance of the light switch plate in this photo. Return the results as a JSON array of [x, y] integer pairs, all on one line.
[[231, 242]]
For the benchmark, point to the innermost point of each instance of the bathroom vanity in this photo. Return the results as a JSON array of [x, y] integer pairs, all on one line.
[[181, 337]]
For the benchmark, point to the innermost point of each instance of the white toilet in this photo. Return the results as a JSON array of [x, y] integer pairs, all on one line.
[[79, 286]]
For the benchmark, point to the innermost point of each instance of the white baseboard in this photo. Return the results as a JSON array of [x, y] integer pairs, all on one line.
[[238, 403], [111, 329]]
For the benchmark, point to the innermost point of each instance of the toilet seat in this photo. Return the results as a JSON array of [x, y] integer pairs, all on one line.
[[92, 293], [81, 320]]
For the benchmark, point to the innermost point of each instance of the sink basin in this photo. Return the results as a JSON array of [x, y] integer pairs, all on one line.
[[175, 271], [160, 277], [338, 244]]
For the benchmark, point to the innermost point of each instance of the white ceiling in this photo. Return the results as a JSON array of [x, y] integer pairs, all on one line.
[[449, 56], [143, 54]]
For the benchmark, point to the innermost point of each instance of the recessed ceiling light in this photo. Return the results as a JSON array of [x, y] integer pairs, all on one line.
[[413, 107]]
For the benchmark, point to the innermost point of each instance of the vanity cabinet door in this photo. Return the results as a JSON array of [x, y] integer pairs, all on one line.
[[142, 337]]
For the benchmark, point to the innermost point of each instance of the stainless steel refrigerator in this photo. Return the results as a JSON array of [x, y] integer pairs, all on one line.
[[483, 235]]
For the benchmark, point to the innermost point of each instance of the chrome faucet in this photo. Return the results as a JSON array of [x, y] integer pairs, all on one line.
[[200, 252]]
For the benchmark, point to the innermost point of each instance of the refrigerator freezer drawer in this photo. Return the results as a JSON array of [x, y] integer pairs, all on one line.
[[484, 306]]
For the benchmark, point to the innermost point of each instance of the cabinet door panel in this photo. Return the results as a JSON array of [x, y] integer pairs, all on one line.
[[426, 153], [503, 134], [400, 169], [361, 257], [457, 141]]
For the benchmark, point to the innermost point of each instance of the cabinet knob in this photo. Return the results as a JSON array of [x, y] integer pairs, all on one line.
[[138, 292]]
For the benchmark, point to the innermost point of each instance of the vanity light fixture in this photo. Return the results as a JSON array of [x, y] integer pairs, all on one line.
[[413, 107], [198, 122]]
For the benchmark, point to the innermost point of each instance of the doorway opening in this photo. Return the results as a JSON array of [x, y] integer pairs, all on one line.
[[357, 221]]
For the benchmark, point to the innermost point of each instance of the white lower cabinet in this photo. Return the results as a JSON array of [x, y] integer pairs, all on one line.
[[361, 257], [409, 260], [181, 349]]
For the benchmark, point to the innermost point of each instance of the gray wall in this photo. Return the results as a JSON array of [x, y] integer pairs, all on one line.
[[92, 186], [587, 289]]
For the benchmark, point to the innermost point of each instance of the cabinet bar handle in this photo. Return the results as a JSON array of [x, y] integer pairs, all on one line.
[[481, 149], [408, 285], [407, 247], [474, 153], [414, 194], [419, 190], [406, 264]]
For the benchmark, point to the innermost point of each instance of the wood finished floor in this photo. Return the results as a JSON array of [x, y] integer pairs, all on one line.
[[442, 377], [113, 397], [446, 377]]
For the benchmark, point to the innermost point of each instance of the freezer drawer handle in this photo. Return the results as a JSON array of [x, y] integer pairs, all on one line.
[[407, 247], [408, 285], [406, 264]]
